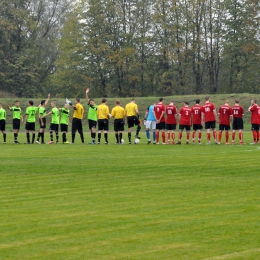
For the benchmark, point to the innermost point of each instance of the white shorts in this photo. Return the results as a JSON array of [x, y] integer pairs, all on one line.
[[150, 124]]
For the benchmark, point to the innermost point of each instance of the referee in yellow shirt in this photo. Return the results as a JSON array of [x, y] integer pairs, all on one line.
[[132, 114], [103, 115], [77, 120], [118, 113]]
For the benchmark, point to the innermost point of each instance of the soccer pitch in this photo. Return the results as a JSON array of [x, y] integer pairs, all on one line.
[[129, 201]]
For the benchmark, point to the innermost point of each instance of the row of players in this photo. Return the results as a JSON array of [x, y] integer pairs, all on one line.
[[158, 117]]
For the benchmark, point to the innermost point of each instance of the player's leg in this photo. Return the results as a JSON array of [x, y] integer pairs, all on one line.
[[106, 128], [194, 133], [100, 128], [2, 127], [154, 131], [130, 124], [27, 128], [116, 128], [163, 132], [227, 128], [187, 134], [207, 127], [138, 123], [221, 129], [93, 131], [181, 127], [147, 131], [80, 130], [254, 133], [199, 134], [74, 129], [213, 127], [57, 133], [157, 133]]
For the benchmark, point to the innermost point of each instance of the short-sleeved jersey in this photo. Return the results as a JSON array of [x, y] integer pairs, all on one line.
[[31, 113], [224, 112], [103, 111], [64, 116], [55, 116], [2, 114], [150, 115], [171, 112], [130, 109], [118, 112], [255, 114], [185, 113], [159, 109], [42, 112], [207, 110], [78, 111], [17, 112], [196, 114], [237, 111], [92, 112]]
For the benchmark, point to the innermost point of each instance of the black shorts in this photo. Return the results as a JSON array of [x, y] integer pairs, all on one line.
[[224, 127], [44, 123], [76, 125], [118, 125], [197, 127], [92, 124], [210, 124], [255, 127], [2, 125], [170, 126], [160, 126], [54, 127], [102, 124], [63, 128], [132, 121], [238, 124], [16, 124], [30, 126], [182, 127]]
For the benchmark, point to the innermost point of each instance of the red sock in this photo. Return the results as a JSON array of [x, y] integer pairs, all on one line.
[[227, 136], [257, 136], [169, 136], [208, 136], [199, 136], [157, 137], [163, 137], [219, 137], [173, 136], [193, 135], [234, 136], [240, 136], [180, 135], [188, 136], [215, 134], [254, 135]]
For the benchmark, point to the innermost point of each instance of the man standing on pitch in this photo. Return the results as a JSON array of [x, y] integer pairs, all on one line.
[[2, 122], [255, 120], [209, 116], [150, 122], [103, 115], [159, 114], [118, 113], [64, 122], [196, 121], [92, 117], [132, 114], [54, 127], [171, 121], [17, 118], [30, 121]]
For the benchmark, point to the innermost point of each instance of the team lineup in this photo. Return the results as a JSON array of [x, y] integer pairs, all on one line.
[[159, 118]]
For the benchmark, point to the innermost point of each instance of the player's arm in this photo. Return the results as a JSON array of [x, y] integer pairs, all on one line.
[[10, 108], [25, 119], [41, 119], [215, 114], [87, 98], [49, 113], [202, 118], [48, 99], [137, 111]]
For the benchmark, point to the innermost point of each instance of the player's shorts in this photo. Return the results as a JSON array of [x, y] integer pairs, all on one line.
[[76, 125], [170, 126], [186, 127], [224, 127], [255, 127], [210, 124], [54, 127], [150, 124], [160, 126], [238, 124], [63, 128], [132, 121], [197, 127], [103, 124], [30, 126], [92, 124], [118, 125], [44, 123], [16, 124], [2, 125]]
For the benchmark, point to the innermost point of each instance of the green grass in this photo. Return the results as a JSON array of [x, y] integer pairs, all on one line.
[[129, 201]]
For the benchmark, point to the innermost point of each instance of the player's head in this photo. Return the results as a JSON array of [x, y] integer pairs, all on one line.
[[43, 102], [66, 106], [172, 101], [118, 102], [92, 102], [133, 100], [161, 99], [77, 100], [227, 102], [237, 101], [186, 103], [253, 101], [104, 100], [17, 103], [30, 102], [53, 104], [197, 101], [207, 98]]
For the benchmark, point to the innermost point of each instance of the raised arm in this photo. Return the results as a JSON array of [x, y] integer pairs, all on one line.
[[87, 98], [47, 100]]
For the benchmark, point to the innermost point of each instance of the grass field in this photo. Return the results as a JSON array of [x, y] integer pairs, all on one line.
[[129, 201]]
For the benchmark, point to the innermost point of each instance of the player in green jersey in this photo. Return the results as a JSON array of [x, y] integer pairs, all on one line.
[[17, 118], [64, 122], [42, 119], [54, 127], [30, 121], [2, 122], [92, 116]]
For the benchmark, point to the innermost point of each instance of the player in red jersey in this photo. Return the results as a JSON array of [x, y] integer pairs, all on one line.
[[238, 124], [224, 114], [159, 114], [171, 121], [209, 116], [185, 121], [196, 120], [255, 120]]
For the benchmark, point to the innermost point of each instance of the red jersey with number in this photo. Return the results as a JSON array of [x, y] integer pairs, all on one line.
[[224, 112], [207, 110], [185, 113], [159, 109], [196, 114], [255, 114], [237, 111], [171, 112]]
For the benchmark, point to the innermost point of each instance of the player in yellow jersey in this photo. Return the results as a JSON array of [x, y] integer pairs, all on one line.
[[118, 113], [132, 115], [77, 120], [103, 115]]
